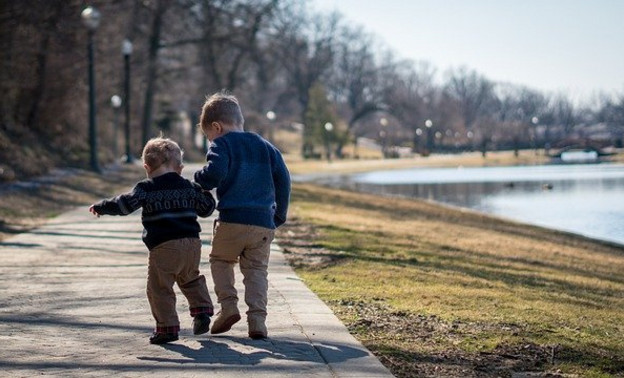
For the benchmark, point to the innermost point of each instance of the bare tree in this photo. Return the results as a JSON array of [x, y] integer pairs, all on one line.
[[306, 53], [516, 109], [612, 113], [158, 11], [473, 95], [229, 36], [565, 114], [354, 80], [411, 97]]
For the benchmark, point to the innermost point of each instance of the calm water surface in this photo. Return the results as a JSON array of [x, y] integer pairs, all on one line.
[[583, 199]]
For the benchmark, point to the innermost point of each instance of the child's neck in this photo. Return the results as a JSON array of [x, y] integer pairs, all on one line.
[[229, 128], [161, 171]]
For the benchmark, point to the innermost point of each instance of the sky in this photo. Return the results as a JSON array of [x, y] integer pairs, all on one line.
[[575, 47]]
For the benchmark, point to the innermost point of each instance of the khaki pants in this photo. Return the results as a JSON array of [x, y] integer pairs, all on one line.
[[176, 261], [250, 246]]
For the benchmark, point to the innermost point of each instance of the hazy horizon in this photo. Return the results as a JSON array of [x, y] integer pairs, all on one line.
[[574, 47]]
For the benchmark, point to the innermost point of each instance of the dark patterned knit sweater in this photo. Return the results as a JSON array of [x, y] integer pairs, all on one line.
[[170, 206]]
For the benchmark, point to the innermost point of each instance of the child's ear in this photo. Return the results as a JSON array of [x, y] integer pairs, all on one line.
[[217, 127]]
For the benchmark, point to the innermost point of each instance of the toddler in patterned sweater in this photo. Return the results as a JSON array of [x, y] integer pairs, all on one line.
[[170, 206]]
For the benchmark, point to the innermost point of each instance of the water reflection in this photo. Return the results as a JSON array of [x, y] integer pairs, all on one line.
[[588, 199]]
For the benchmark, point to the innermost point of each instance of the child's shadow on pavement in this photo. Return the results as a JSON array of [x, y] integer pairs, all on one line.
[[252, 352]]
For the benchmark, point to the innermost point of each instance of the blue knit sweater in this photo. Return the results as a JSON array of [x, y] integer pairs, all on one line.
[[251, 178]]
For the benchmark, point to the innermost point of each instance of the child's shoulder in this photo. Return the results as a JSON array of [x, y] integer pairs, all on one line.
[[146, 182], [190, 184], [165, 180], [181, 181]]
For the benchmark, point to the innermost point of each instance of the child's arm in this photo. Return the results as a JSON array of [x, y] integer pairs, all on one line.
[[216, 168], [92, 211], [123, 204], [281, 180], [205, 203]]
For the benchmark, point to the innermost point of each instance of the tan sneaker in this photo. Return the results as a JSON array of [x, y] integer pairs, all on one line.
[[224, 321]]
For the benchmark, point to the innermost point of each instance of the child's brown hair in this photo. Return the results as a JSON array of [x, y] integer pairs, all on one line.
[[159, 151], [221, 107]]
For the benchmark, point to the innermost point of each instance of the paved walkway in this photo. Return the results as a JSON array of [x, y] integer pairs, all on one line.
[[72, 304]]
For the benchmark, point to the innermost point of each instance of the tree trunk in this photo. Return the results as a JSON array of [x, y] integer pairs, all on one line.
[[152, 67]]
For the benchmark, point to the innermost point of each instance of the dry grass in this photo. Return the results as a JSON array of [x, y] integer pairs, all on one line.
[[299, 166], [25, 205], [468, 294]]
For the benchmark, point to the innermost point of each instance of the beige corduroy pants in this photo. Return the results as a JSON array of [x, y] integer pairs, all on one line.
[[250, 246], [175, 261]]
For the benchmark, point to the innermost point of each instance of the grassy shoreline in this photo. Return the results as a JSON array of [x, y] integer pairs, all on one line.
[[439, 291], [427, 287]]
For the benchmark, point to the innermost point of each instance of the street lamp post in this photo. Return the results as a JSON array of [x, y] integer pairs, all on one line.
[[429, 125], [126, 50], [417, 137], [91, 19], [271, 117], [116, 104], [470, 136], [535, 122], [328, 128], [384, 135]]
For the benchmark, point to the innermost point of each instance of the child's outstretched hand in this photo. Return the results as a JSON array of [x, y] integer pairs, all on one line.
[[92, 211]]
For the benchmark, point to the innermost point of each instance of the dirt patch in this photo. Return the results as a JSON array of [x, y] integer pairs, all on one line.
[[298, 241], [391, 335]]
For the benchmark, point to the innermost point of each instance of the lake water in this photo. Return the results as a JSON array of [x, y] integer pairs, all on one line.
[[586, 199]]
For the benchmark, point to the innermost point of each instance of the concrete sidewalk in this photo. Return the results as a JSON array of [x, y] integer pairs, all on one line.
[[73, 304]]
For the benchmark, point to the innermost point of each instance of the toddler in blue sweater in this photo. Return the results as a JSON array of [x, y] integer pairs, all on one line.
[[253, 190]]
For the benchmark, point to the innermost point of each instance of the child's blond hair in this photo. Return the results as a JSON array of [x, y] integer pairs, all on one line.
[[159, 151]]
